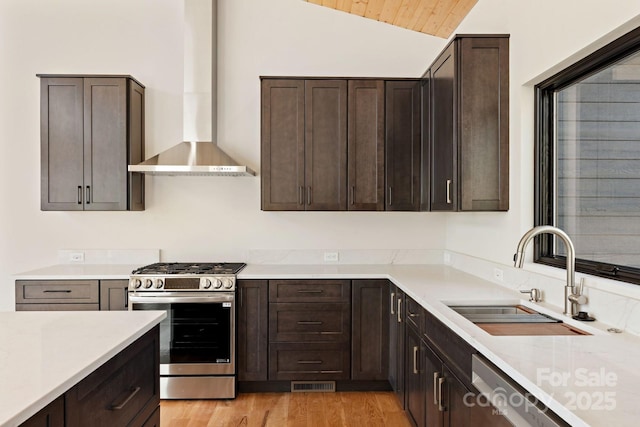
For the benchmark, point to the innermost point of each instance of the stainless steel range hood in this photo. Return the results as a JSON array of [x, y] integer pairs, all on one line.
[[199, 154]]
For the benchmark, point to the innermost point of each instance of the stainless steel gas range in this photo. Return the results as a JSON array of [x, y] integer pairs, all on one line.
[[197, 338]]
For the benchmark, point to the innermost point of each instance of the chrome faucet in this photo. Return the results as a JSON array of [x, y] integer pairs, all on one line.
[[570, 291]]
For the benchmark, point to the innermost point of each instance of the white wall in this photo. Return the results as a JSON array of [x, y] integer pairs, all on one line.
[[188, 218]]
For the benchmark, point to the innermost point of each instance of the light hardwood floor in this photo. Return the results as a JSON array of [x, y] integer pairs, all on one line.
[[368, 409]]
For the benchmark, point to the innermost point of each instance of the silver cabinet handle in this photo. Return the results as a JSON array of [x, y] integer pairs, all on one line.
[[88, 197], [390, 199], [415, 359], [79, 194], [393, 295], [310, 362], [399, 312], [309, 195], [57, 291], [441, 407], [121, 405], [448, 191], [435, 387], [309, 322], [353, 194], [310, 291], [301, 195]]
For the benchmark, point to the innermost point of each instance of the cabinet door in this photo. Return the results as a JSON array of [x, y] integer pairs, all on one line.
[[325, 148], [105, 143], [51, 415], [282, 145], [443, 132], [433, 386], [136, 145], [366, 145], [415, 378], [396, 344], [370, 330], [425, 141], [253, 318], [114, 295], [484, 124], [402, 145], [457, 413], [61, 128]]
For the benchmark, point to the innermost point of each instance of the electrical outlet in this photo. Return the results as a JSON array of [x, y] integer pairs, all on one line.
[[76, 257], [498, 274], [447, 258], [331, 257]]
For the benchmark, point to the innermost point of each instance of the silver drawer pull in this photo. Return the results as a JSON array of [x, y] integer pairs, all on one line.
[[412, 314], [309, 322], [310, 362], [441, 407], [393, 295], [57, 291], [415, 359], [310, 291], [448, 191], [435, 387], [134, 391]]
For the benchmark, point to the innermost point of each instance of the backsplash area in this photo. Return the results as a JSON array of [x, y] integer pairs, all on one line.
[[611, 302]]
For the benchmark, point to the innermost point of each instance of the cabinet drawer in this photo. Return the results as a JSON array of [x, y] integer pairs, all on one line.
[[453, 350], [296, 322], [309, 361], [122, 392], [415, 316], [309, 290], [57, 291]]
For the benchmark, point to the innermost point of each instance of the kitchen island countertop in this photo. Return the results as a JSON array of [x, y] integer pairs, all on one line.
[[44, 354]]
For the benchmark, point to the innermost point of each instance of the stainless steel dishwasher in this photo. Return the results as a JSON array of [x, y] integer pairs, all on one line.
[[511, 401]]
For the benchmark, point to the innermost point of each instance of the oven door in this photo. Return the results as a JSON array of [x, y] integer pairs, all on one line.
[[198, 335]]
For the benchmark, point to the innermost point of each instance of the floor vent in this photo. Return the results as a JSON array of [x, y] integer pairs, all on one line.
[[309, 386]]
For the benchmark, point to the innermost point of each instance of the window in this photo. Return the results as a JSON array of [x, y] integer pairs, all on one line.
[[588, 161]]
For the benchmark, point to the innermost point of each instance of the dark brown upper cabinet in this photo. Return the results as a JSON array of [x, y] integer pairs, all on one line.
[[304, 144], [402, 145], [366, 145], [468, 125], [92, 128]]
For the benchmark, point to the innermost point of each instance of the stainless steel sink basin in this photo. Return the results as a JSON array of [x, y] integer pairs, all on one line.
[[501, 314]]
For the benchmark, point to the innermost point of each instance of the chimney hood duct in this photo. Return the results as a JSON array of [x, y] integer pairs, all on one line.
[[199, 154]]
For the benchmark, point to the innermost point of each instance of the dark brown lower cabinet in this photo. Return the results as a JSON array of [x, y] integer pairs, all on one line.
[[414, 378], [51, 415], [124, 391], [370, 330], [318, 361], [253, 318], [396, 343]]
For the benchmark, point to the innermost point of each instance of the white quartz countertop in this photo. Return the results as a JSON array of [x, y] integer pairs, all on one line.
[[44, 354], [587, 380], [79, 271]]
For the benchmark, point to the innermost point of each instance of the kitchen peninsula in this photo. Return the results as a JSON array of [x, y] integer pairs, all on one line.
[[78, 355]]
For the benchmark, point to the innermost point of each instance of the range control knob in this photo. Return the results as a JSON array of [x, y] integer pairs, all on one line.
[[217, 283], [159, 283], [228, 283], [148, 283], [136, 283], [206, 283]]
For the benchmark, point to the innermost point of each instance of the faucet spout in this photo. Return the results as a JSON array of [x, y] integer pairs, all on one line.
[[518, 259]]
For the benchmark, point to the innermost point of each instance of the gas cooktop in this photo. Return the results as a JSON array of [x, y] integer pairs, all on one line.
[[190, 268]]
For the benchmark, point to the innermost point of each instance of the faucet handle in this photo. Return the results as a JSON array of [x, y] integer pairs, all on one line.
[[534, 294]]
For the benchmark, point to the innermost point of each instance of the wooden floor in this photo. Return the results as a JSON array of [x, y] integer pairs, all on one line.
[[287, 410]]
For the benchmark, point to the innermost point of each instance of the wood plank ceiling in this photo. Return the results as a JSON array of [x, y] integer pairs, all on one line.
[[435, 17]]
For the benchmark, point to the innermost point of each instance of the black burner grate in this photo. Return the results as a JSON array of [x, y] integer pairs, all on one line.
[[191, 268]]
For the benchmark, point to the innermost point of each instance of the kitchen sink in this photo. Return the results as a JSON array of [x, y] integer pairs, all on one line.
[[502, 314], [514, 319]]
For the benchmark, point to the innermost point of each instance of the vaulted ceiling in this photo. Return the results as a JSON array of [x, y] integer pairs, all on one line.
[[434, 17]]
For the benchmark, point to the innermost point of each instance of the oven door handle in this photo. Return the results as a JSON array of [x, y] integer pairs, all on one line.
[[134, 299]]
